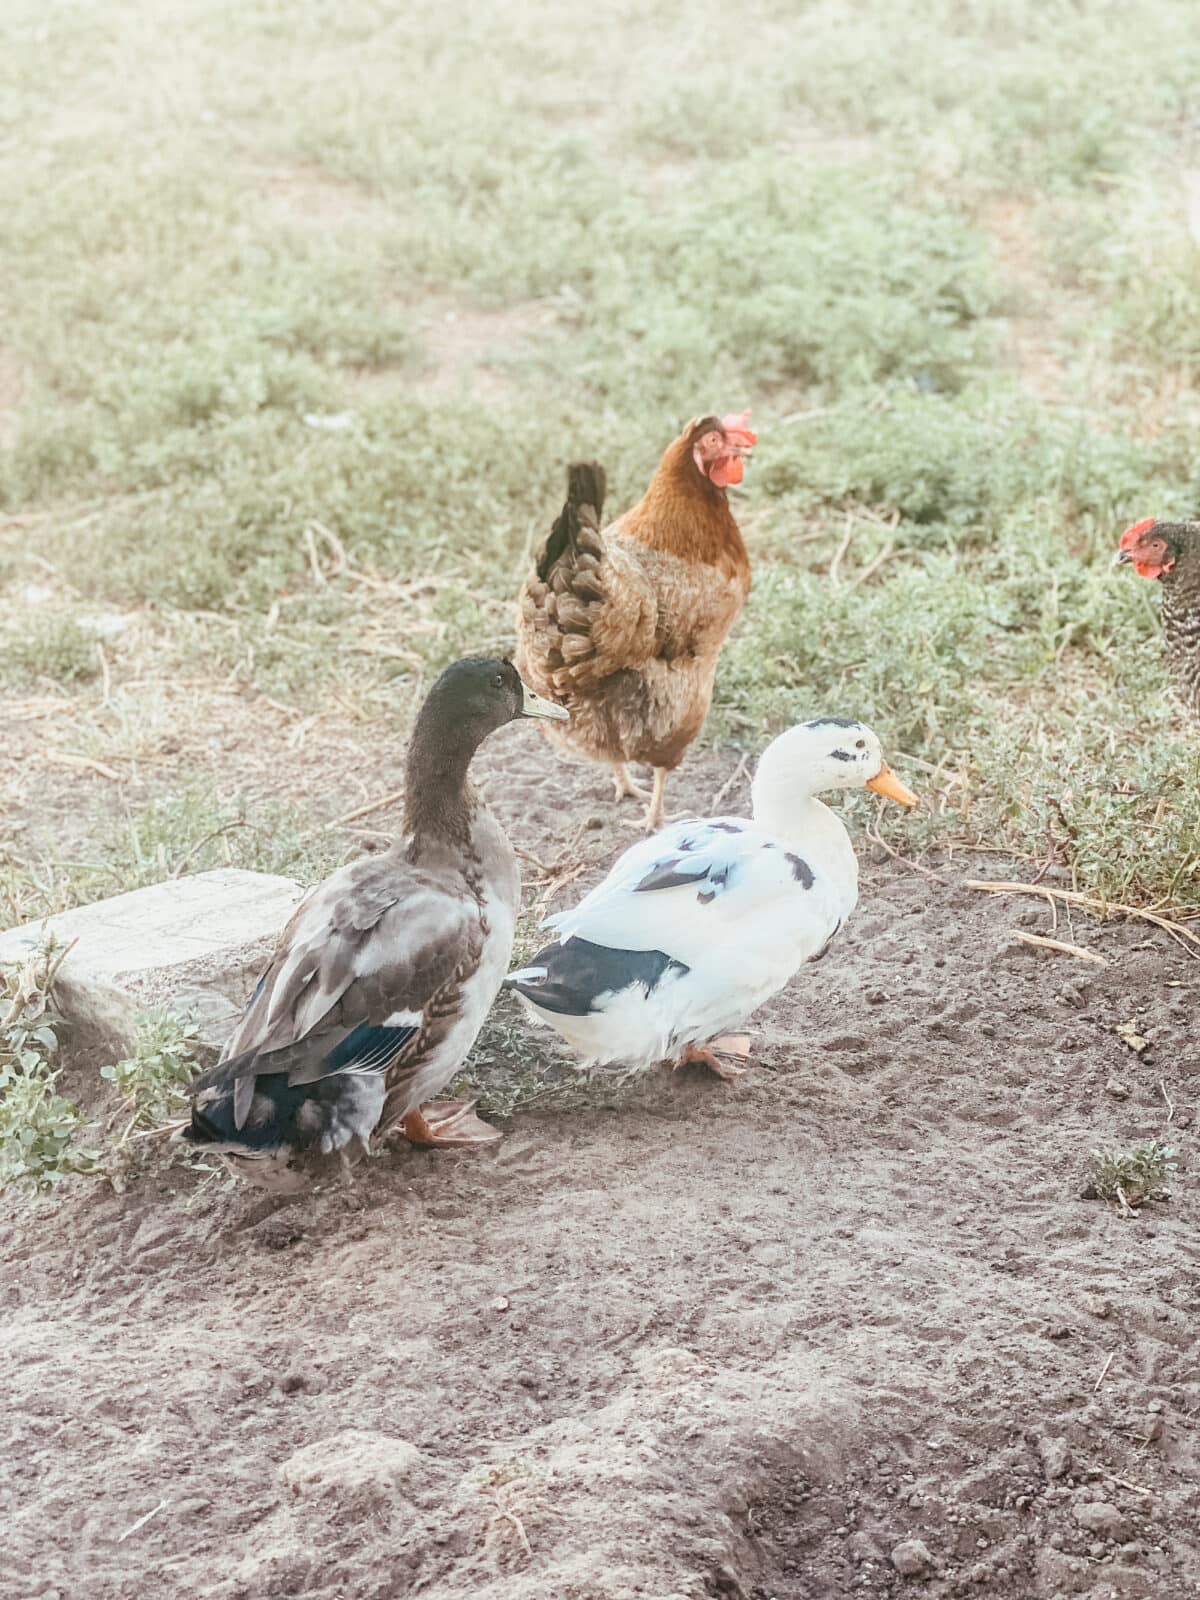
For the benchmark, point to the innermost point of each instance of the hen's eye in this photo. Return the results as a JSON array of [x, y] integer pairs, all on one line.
[[860, 744], [499, 680]]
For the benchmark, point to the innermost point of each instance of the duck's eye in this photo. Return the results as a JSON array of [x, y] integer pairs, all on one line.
[[860, 744], [499, 680]]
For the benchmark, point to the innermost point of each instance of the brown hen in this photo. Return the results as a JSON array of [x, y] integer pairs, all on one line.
[[624, 624]]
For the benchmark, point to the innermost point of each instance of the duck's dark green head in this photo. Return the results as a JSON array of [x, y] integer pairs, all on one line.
[[481, 693], [471, 699]]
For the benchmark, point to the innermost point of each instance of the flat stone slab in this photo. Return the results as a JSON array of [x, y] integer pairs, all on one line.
[[195, 945]]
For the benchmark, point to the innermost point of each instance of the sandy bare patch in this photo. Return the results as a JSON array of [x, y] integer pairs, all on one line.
[[76, 119], [816, 147], [470, 348], [309, 195], [665, 177], [1039, 328]]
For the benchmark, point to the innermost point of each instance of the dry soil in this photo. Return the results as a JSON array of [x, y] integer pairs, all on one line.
[[695, 1339]]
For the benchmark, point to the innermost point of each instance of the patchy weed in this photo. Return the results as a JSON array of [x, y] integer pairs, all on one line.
[[41, 646], [1129, 1179], [39, 1128], [152, 1082]]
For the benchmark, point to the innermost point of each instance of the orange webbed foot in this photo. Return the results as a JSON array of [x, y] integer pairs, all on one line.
[[727, 1056], [452, 1123]]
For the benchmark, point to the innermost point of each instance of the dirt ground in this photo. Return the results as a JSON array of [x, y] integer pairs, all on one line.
[[696, 1339]]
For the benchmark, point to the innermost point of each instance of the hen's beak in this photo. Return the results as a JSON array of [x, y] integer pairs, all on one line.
[[1122, 558], [886, 782], [533, 705]]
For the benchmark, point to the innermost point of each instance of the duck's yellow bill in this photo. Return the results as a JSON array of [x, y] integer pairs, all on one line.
[[886, 782]]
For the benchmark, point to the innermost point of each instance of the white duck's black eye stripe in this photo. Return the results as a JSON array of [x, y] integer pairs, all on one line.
[[841, 755]]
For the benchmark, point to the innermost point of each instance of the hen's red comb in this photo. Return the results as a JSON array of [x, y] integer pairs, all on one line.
[[1131, 535], [735, 426]]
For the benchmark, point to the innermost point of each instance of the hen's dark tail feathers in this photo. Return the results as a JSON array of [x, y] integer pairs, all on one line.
[[586, 484]]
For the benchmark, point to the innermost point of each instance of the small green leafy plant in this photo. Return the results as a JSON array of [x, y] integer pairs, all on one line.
[[152, 1080], [1132, 1178], [39, 1128]]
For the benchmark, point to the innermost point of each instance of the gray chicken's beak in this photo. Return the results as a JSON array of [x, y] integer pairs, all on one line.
[[1122, 558], [534, 706]]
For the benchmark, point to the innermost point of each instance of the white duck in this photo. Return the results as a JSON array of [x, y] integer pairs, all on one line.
[[694, 928]]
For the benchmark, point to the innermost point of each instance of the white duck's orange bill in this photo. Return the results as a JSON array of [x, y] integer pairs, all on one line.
[[887, 783]]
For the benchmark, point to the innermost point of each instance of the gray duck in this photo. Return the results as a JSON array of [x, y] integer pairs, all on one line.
[[381, 981]]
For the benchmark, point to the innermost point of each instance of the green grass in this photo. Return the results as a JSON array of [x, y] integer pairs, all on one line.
[[51, 646], [224, 219]]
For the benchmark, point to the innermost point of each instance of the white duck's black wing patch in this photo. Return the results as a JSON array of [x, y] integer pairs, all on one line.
[[569, 978], [708, 878], [696, 861], [673, 873]]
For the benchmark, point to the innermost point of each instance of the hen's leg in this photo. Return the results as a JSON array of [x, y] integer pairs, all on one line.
[[448, 1122], [655, 816], [653, 819], [624, 788]]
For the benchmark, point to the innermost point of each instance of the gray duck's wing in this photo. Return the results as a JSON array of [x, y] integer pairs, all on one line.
[[364, 979]]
